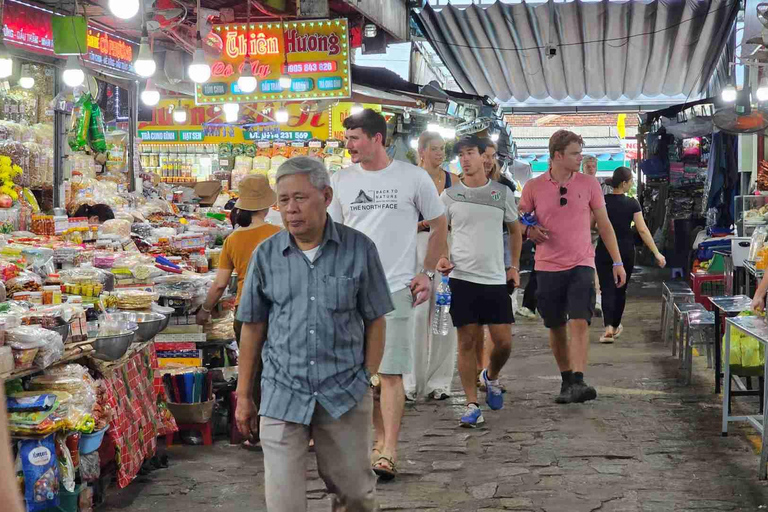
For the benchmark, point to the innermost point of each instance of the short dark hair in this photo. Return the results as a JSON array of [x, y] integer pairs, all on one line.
[[244, 218], [561, 139], [471, 141], [370, 121], [102, 211]]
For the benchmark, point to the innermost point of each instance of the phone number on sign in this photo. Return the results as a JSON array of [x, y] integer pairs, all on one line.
[[278, 135], [326, 66]]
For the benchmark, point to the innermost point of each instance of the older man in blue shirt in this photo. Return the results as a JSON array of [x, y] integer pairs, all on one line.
[[312, 308]]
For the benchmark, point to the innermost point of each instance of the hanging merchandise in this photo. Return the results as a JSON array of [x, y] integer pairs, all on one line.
[[96, 131], [81, 122]]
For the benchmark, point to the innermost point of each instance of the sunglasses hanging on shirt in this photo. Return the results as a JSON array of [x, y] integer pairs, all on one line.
[[563, 200]]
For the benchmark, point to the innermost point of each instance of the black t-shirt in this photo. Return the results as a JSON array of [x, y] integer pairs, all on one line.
[[621, 211]]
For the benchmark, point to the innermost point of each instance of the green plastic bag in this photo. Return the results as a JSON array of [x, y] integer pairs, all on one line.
[[747, 353], [81, 122], [96, 130]]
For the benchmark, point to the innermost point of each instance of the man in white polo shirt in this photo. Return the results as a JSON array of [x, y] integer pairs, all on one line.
[[383, 199], [476, 209]]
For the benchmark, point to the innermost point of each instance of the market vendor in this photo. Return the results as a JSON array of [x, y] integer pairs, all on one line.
[[97, 213], [250, 212]]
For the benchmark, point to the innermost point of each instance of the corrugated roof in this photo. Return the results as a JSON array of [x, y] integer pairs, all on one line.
[[608, 52]]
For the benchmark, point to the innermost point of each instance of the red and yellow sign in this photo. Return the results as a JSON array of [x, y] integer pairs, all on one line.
[[342, 111], [315, 54], [205, 123]]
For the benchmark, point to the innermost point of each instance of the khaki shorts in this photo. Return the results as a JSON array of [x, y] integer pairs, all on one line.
[[397, 349]]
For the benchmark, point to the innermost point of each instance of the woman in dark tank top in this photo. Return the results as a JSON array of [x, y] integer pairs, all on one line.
[[622, 211]]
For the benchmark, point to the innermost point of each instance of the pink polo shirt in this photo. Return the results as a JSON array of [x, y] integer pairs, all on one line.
[[570, 243]]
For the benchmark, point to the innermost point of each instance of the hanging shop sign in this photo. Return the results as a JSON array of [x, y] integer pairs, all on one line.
[[342, 111], [109, 51], [630, 148], [315, 54], [205, 123], [30, 27]]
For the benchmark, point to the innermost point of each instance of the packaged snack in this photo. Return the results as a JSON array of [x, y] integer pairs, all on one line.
[[81, 122], [42, 402], [66, 466], [90, 469], [37, 458], [96, 130]]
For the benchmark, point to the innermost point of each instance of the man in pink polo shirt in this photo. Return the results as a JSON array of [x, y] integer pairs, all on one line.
[[562, 200]]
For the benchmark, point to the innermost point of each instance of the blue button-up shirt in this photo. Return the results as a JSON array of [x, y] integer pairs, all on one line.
[[315, 347]]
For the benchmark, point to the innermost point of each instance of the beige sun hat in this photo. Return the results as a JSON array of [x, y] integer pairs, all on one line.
[[255, 193]]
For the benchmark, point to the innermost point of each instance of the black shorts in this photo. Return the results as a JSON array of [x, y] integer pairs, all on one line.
[[566, 295], [480, 304]]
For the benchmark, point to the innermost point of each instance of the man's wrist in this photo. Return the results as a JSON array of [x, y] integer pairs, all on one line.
[[514, 267], [618, 264], [206, 310]]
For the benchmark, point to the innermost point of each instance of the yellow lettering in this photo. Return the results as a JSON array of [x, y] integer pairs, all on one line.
[[231, 44]]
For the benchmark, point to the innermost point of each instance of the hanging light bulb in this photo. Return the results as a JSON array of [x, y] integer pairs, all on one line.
[[180, 114], [231, 111], [124, 9], [433, 127], [447, 132], [415, 143], [281, 116], [73, 75], [762, 90], [150, 96], [199, 71], [6, 62], [247, 82], [26, 81], [356, 109], [495, 137], [285, 81], [145, 65], [729, 92]]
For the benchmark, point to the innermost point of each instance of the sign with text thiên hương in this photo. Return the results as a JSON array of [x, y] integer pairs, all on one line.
[[315, 54]]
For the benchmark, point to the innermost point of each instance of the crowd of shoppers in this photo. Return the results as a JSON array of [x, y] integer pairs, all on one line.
[[335, 311]]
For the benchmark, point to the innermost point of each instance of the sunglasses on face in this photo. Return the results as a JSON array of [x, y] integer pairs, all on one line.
[[563, 200]]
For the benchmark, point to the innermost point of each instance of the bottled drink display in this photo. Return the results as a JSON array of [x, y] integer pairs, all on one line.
[[441, 322]]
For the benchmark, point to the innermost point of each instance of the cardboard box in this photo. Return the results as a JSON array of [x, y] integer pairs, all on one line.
[[180, 362], [208, 191], [198, 338]]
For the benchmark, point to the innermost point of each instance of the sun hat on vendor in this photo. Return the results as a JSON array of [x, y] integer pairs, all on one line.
[[255, 194]]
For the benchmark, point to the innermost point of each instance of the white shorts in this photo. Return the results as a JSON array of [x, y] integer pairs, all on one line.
[[397, 349]]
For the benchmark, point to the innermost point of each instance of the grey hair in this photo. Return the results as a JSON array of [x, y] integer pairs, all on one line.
[[588, 158], [313, 168]]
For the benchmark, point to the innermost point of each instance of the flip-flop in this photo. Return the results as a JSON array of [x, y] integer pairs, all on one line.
[[386, 470], [619, 330], [375, 454]]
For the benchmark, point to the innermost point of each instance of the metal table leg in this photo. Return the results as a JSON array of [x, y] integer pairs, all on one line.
[[762, 472], [718, 351], [727, 380]]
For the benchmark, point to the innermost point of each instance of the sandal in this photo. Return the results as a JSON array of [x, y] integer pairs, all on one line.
[[251, 446], [375, 454], [385, 468], [607, 338], [619, 330]]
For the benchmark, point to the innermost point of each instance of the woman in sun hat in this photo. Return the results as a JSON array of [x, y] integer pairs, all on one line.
[[256, 198]]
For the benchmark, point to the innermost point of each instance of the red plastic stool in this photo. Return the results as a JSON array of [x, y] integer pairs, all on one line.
[[205, 430], [707, 285]]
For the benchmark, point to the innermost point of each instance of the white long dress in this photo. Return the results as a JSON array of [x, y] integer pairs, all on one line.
[[434, 356]]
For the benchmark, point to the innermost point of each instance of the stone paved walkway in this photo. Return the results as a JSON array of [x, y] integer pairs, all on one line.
[[646, 444]]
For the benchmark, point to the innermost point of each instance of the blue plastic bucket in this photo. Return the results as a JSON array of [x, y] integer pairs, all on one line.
[[90, 442]]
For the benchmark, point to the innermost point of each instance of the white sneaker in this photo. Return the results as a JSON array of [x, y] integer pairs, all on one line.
[[410, 396], [599, 306], [439, 394], [525, 312]]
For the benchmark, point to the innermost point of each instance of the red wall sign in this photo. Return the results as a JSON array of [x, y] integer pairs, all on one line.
[[29, 27]]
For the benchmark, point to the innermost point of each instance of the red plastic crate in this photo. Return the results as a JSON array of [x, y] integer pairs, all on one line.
[[707, 285]]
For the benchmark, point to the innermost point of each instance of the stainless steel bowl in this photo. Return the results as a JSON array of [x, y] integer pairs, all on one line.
[[61, 329], [149, 324], [111, 348]]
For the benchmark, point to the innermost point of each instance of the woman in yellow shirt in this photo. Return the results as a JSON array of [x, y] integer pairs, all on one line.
[[256, 197]]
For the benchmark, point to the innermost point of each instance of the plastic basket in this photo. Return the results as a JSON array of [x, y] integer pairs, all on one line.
[[89, 443]]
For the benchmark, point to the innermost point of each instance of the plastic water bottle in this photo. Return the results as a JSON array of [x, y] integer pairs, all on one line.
[[440, 320]]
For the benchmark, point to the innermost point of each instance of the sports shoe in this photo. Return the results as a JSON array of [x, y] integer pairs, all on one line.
[[439, 394], [494, 396], [410, 396], [582, 392], [525, 312], [565, 396], [472, 417], [598, 307]]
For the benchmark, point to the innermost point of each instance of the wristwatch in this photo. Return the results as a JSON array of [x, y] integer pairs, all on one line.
[[429, 273]]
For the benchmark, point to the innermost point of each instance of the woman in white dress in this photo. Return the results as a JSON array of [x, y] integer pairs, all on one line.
[[434, 356]]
